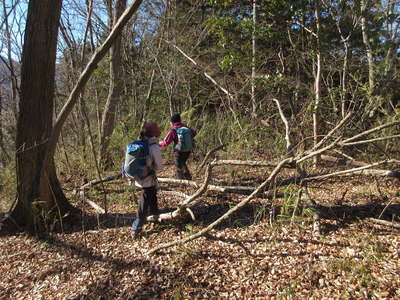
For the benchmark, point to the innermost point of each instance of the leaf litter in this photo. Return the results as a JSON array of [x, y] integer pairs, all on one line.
[[245, 257]]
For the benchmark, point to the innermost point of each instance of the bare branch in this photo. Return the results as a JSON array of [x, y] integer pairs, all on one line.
[[370, 131], [330, 146], [330, 133], [226, 92], [96, 207], [370, 140], [209, 153], [359, 170], [245, 163], [307, 29], [97, 181], [289, 145]]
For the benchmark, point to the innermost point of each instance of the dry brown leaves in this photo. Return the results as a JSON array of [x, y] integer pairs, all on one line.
[[246, 257]]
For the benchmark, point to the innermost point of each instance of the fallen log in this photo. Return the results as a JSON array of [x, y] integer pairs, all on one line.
[[247, 163], [96, 207], [97, 181], [384, 222], [174, 193], [224, 189], [350, 162], [363, 169], [184, 205]]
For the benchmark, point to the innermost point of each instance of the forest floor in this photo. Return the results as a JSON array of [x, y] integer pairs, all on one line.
[[260, 252]]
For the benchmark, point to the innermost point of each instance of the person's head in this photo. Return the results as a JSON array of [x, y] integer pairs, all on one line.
[[151, 129], [176, 118]]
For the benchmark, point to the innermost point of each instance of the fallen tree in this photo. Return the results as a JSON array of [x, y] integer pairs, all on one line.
[[332, 141], [318, 149]]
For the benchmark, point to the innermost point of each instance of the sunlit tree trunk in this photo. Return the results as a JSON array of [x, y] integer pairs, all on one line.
[[317, 85], [37, 137], [253, 62], [392, 29], [108, 119], [370, 59]]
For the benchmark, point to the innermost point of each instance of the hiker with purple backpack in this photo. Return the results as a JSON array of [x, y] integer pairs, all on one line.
[[182, 137]]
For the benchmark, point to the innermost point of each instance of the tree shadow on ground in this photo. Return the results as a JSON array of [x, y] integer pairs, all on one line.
[[110, 285], [252, 213], [261, 239], [344, 215], [154, 280]]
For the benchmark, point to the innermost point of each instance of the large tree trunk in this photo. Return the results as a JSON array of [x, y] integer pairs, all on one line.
[[37, 138], [38, 189], [108, 120]]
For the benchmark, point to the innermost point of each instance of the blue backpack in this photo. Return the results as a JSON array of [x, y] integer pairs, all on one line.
[[135, 160], [185, 139]]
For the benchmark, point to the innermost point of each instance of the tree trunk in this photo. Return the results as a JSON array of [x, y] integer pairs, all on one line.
[[36, 136], [317, 86], [11, 67], [108, 119], [344, 77], [38, 189], [370, 58], [253, 63], [4, 157]]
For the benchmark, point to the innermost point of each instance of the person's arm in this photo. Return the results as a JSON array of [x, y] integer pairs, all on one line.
[[170, 137], [194, 132]]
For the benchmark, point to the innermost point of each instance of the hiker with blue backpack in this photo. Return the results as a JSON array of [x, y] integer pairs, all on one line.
[[142, 161], [182, 137]]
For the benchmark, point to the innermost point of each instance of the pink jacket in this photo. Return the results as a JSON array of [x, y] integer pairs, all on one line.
[[172, 136]]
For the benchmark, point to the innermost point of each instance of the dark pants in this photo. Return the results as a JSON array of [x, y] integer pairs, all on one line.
[[182, 171], [147, 206]]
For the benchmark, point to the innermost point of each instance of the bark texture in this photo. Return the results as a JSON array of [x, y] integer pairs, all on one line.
[[37, 184]]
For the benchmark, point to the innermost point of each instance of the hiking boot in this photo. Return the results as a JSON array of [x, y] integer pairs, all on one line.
[[136, 234], [153, 225]]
